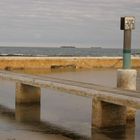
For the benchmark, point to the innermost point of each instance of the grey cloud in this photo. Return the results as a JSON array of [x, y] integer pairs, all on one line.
[[91, 21]]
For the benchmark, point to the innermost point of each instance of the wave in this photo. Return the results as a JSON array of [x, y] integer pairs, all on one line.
[[17, 54]]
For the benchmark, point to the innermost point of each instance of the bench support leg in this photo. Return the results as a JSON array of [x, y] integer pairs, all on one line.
[[107, 114], [126, 79], [27, 94]]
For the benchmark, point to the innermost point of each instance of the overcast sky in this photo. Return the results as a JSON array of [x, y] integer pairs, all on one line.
[[68, 22]]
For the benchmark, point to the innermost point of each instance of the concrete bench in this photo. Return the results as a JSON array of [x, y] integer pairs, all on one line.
[[109, 104]]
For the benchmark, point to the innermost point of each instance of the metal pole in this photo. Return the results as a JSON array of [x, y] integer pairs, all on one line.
[[127, 24], [127, 50]]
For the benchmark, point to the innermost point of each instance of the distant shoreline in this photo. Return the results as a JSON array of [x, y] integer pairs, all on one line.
[[67, 47]]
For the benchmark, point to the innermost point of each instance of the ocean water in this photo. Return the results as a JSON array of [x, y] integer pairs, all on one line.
[[62, 51]]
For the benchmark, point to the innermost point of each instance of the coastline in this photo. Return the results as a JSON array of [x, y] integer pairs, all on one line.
[[21, 63]]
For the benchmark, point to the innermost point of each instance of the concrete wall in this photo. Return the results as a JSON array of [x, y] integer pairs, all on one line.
[[64, 62]]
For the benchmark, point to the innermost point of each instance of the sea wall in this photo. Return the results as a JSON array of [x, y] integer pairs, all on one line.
[[64, 62]]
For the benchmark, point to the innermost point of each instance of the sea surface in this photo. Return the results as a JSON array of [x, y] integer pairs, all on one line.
[[61, 116], [63, 51]]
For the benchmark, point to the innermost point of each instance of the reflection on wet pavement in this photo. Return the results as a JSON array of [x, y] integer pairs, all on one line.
[[40, 130], [27, 113]]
